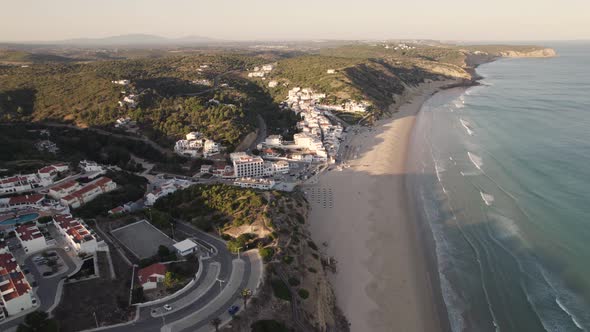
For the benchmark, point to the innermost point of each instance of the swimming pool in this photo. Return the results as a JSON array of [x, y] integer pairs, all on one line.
[[20, 219]]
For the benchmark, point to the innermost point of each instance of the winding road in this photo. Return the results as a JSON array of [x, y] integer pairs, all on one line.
[[206, 298]]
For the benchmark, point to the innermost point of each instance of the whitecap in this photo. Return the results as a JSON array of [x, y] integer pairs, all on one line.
[[487, 198], [475, 159]]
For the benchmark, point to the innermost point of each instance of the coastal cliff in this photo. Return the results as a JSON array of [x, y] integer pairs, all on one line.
[[296, 294], [540, 53], [481, 55]]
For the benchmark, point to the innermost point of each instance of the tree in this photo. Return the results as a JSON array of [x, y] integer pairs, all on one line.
[[215, 322], [246, 294], [169, 280], [163, 251], [38, 321]]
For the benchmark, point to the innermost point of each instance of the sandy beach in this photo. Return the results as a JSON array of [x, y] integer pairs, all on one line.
[[362, 217]]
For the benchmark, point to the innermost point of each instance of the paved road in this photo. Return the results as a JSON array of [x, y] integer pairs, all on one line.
[[209, 304]]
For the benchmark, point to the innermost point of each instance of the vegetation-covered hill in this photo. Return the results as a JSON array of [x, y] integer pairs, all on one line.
[[84, 94], [172, 98]]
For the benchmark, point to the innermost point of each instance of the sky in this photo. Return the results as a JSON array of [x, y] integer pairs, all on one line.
[[475, 20]]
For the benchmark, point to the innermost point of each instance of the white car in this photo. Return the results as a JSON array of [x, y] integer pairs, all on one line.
[[167, 307], [67, 248]]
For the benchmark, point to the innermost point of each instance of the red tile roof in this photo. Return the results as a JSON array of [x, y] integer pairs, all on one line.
[[101, 182], [118, 209], [14, 179], [146, 273], [17, 283], [73, 228], [28, 232], [65, 185], [26, 199], [47, 169]]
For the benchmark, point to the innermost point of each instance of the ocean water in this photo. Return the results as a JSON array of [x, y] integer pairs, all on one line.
[[502, 178]]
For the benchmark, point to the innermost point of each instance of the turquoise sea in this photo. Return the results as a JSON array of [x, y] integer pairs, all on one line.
[[503, 181]]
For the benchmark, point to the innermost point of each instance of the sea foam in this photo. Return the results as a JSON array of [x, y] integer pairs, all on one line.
[[487, 198], [467, 126], [476, 160]]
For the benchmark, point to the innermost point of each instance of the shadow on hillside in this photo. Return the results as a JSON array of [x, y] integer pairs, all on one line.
[[17, 103], [169, 86], [381, 81]]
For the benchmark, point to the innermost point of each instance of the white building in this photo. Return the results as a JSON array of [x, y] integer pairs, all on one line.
[[262, 184], [91, 166], [274, 140], [193, 135], [150, 276], [186, 247], [30, 238], [210, 148], [331, 71], [49, 172], [354, 106], [312, 143], [63, 189], [75, 233], [247, 166], [195, 146], [256, 74], [280, 167], [16, 294], [89, 192], [21, 202], [165, 189], [273, 84], [121, 82], [268, 67], [18, 184]]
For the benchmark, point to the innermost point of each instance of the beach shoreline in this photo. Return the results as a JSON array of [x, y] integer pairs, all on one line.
[[364, 217]]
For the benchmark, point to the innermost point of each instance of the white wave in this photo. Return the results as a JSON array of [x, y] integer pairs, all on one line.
[[569, 314], [507, 227], [475, 159], [467, 126], [454, 305], [487, 198], [438, 171]]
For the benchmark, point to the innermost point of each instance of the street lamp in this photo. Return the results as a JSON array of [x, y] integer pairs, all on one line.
[[220, 282]]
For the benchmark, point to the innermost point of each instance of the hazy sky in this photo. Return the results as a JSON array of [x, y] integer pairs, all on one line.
[[22, 20]]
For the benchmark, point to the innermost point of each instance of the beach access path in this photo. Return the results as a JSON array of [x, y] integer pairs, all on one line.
[[383, 282]]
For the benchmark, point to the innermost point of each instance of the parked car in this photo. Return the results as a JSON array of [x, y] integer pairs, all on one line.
[[167, 307], [66, 248], [233, 310], [47, 273]]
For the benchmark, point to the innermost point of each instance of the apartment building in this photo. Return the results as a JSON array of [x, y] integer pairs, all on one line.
[[89, 192], [76, 234], [247, 166], [30, 237]]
